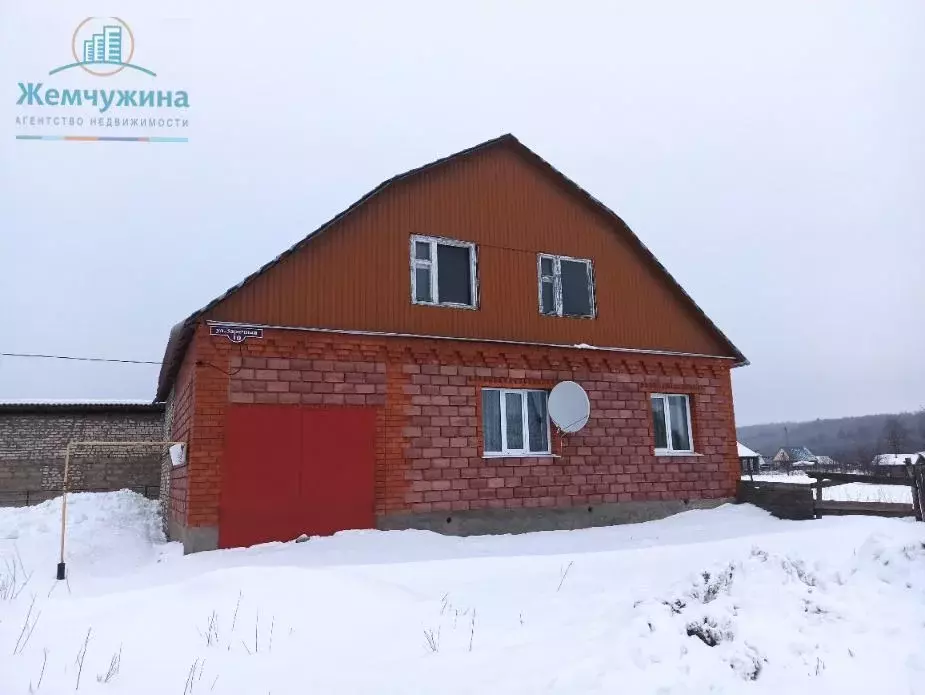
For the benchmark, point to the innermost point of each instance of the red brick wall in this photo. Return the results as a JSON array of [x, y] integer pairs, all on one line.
[[429, 447], [181, 427]]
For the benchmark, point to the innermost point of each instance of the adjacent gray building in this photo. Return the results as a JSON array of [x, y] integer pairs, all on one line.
[[33, 437]]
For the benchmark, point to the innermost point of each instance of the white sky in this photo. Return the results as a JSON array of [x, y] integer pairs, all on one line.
[[770, 155]]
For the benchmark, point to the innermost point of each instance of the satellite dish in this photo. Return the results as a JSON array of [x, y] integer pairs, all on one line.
[[569, 407]]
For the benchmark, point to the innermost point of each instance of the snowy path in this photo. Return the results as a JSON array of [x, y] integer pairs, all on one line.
[[835, 605]]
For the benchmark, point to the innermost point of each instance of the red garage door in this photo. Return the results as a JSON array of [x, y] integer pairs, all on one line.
[[289, 470]]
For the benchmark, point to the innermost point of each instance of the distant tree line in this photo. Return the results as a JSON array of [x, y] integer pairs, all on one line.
[[849, 440]]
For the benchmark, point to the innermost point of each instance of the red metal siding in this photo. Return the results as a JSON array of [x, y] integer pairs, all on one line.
[[181, 430], [356, 274]]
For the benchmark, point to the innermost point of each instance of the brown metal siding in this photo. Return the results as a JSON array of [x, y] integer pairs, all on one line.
[[356, 275]]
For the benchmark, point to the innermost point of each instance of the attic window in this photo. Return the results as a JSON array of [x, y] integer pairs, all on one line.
[[566, 286], [443, 272]]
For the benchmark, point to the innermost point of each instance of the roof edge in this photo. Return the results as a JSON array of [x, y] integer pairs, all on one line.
[[741, 360], [36, 408], [181, 334]]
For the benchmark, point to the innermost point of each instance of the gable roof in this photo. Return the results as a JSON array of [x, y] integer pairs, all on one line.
[[797, 453], [745, 452], [182, 333], [895, 459]]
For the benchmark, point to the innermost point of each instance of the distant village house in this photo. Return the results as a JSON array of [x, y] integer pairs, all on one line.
[[798, 456], [749, 461], [898, 459]]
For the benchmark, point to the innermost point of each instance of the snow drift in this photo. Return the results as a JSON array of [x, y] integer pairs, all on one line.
[[724, 601]]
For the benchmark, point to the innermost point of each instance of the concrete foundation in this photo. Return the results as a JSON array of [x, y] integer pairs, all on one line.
[[195, 539], [493, 521]]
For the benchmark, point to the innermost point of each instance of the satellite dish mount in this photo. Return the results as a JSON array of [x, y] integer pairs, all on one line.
[[569, 407]]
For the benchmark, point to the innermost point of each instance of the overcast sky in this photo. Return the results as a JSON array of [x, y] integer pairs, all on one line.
[[770, 155]]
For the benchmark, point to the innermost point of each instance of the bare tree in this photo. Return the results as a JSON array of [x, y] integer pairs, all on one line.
[[863, 456], [895, 436]]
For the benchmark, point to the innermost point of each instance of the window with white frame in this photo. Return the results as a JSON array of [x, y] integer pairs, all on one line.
[[671, 417], [443, 272], [566, 286], [515, 422]]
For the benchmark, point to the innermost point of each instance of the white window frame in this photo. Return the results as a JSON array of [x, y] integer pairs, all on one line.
[[432, 265], [525, 451], [690, 430], [556, 280]]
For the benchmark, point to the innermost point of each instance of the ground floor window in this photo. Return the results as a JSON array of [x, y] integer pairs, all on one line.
[[515, 422], [671, 417]]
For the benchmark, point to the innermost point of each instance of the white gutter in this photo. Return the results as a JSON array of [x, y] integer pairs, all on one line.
[[383, 334]]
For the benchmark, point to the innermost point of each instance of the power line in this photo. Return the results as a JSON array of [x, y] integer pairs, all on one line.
[[77, 359]]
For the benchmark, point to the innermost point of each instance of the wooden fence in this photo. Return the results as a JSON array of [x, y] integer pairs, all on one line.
[[783, 500], [796, 501], [914, 478]]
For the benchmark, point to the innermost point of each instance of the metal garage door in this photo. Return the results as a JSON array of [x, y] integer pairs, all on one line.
[[289, 470]]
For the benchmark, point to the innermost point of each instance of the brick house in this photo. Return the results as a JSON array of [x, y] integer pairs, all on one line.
[[391, 370]]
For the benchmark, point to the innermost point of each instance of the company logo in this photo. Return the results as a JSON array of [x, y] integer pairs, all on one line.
[[140, 111], [103, 46]]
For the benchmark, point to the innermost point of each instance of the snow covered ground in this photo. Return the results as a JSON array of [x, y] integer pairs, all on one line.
[[851, 492], [722, 601]]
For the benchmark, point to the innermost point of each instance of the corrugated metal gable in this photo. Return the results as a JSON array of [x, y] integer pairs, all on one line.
[[355, 275]]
